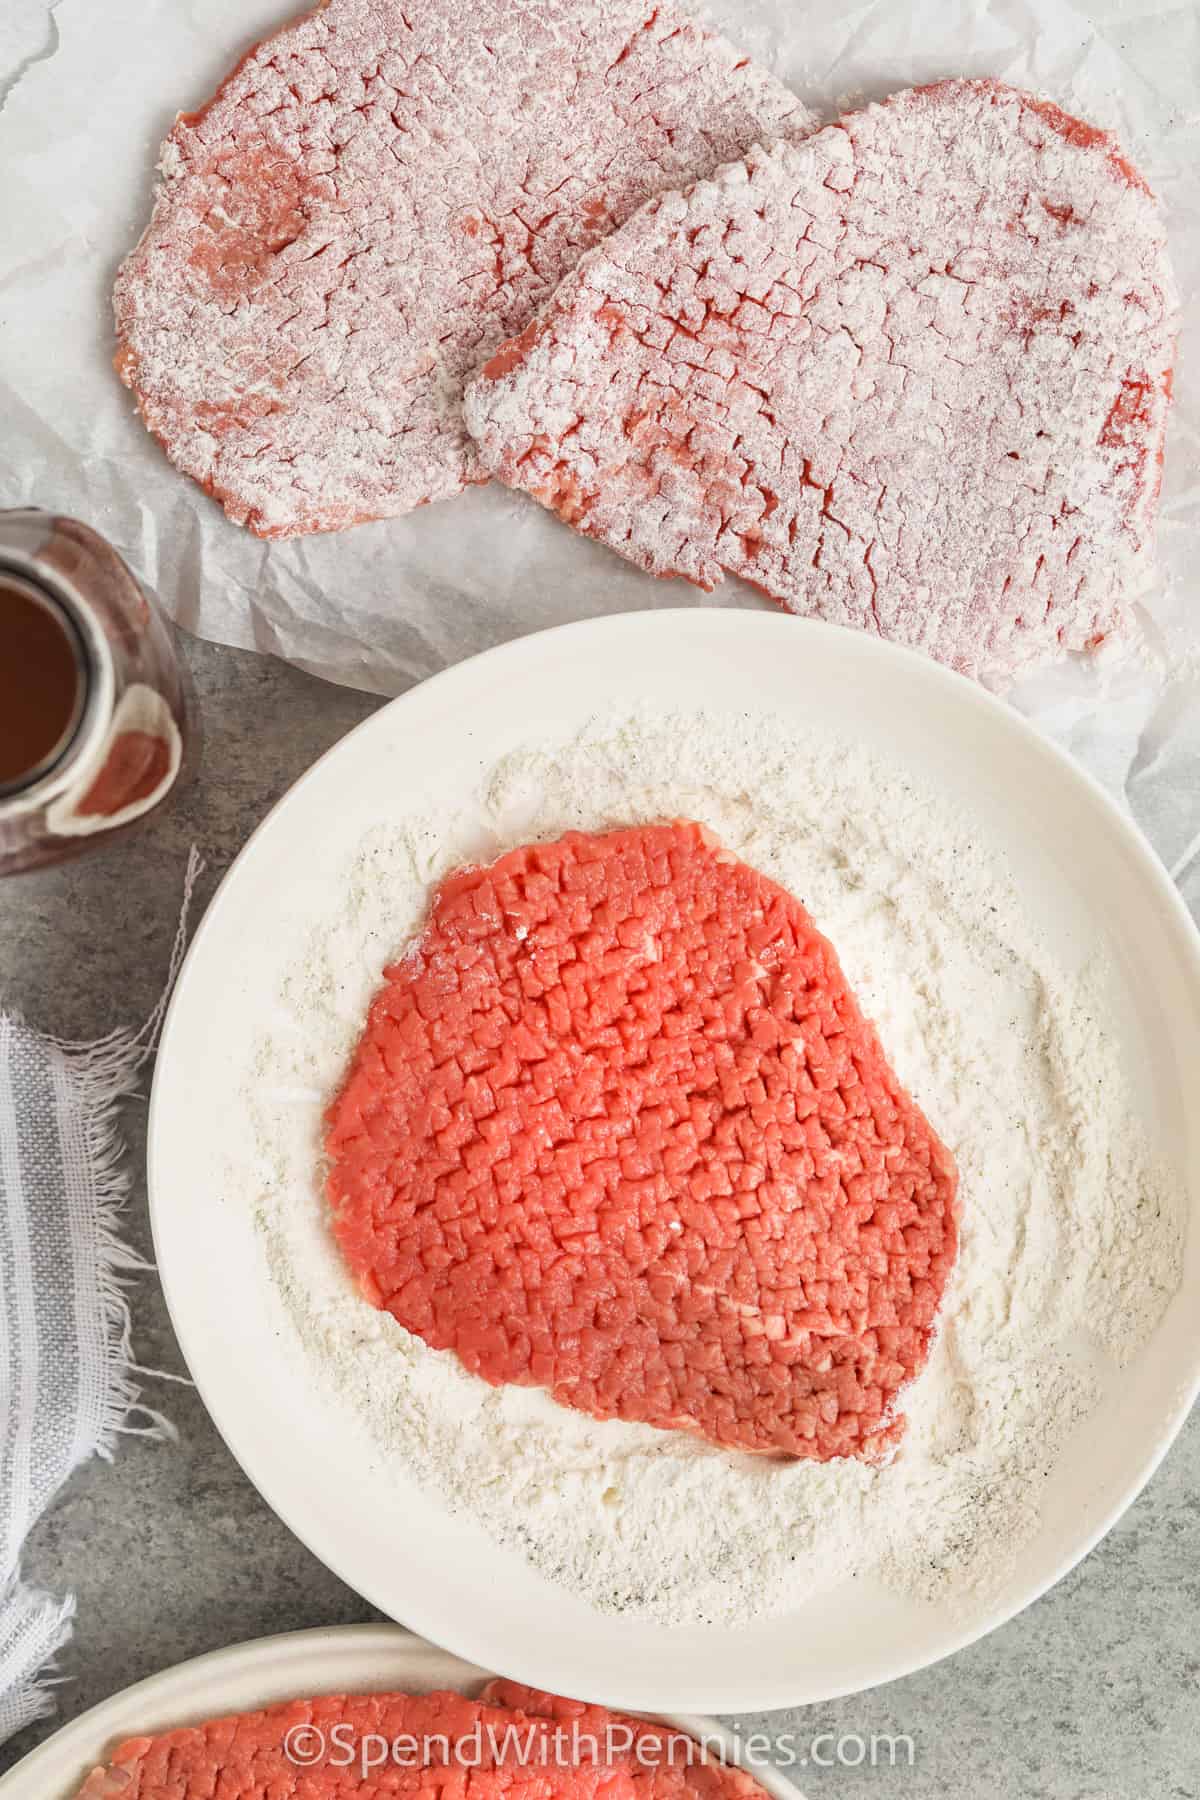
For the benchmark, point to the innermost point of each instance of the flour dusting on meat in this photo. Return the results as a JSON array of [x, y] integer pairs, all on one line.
[[374, 200], [911, 374]]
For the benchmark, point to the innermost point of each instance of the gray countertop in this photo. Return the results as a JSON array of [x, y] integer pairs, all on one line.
[[1092, 1694]]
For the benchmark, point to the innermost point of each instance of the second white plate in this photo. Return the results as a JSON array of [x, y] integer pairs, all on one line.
[[1087, 878]]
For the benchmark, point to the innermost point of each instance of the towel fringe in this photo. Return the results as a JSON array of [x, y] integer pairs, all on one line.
[[100, 1074], [39, 1630], [106, 1072]]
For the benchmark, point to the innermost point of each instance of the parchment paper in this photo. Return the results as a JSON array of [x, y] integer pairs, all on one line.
[[88, 89]]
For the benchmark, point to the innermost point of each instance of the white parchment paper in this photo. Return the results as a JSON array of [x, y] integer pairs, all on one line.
[[88, 89]]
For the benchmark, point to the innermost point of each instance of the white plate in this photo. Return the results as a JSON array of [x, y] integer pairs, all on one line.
[[343, 1659], [1086, 875]]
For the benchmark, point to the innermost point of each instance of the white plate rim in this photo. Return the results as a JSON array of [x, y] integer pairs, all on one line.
[[706, 622], [235, 1679]]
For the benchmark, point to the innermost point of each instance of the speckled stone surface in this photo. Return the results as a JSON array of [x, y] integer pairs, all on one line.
[[1092, 1694]]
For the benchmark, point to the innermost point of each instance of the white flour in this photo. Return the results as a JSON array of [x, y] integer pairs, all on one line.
[[1072, 1232]]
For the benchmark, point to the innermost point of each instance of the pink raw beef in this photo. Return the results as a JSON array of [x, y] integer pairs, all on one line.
[[617, 1128], [340, 1747]]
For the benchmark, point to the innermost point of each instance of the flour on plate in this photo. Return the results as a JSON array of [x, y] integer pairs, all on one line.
[[1072, 1230]]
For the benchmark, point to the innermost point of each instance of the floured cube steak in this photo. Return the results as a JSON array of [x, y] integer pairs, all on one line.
[[617, 1128], [910, 374], [378, 197]]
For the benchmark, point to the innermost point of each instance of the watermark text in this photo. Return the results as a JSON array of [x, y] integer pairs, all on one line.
[[544, 1745]]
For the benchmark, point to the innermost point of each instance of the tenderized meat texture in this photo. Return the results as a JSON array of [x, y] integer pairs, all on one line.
[[246, 1756], [375, 199], [616, 1128], [911, 374], [656, 1756]]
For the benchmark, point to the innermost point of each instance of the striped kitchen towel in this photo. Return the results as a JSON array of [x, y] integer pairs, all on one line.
[[68, 1383]]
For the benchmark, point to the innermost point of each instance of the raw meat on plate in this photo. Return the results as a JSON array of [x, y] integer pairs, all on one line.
[[438, 1746]]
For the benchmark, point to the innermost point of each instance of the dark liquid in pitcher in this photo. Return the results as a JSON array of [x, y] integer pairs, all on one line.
[[39, 683]]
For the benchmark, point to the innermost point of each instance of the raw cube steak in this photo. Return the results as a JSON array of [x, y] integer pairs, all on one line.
[[616, 1128], [511, 1744], [340, 1745], [656, 1761]]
